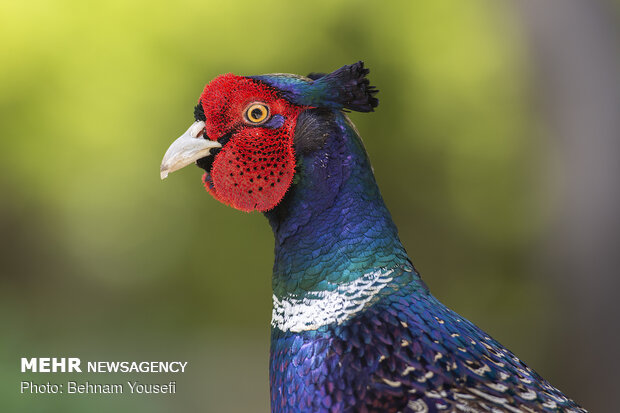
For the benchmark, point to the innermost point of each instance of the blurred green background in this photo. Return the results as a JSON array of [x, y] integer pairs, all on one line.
[[102, 260]]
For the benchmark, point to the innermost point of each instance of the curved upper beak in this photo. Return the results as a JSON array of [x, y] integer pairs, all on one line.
[[188, 148]]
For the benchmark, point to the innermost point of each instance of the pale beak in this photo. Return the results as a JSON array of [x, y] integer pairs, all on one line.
[[188, 148]]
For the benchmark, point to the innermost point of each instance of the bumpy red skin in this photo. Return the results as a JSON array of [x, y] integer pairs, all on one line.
[[255, 168]]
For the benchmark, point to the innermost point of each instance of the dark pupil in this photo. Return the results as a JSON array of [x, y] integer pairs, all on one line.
[[256, 113]]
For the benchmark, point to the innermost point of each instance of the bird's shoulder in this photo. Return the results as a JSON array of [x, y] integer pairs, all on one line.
[[428, 358]]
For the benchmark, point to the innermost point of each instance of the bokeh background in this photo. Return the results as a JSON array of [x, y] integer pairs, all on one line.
[[496, 145]]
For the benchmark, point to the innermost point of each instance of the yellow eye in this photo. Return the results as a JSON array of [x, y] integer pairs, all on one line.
[[257, 113]]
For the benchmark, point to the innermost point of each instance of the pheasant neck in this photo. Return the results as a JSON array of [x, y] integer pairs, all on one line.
[[335, 242]]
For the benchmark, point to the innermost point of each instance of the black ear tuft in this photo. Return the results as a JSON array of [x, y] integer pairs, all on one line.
[[313, 128], [350, 87]]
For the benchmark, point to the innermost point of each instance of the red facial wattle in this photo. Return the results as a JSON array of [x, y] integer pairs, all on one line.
[[255, 167], [250, 177]]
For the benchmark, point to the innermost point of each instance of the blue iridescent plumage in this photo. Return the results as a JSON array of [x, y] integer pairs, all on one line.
[[354, 327]]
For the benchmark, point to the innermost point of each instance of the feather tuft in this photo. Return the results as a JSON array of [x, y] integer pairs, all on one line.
[[346, 88], [350, 87]]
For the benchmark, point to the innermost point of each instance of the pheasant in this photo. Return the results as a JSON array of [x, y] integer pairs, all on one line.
[[354, 328]]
